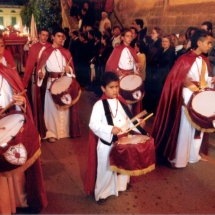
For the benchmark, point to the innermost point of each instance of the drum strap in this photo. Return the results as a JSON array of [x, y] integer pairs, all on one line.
[[109, 121], [130, 115]]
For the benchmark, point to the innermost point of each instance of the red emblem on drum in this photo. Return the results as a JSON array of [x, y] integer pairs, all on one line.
[[137, 94], [16, 154]]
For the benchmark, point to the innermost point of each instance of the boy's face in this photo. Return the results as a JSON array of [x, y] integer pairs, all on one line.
[[111, 90], [205, 45]]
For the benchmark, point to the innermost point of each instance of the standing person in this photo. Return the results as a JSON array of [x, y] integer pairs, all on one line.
[[29, 79], [124, 61], [104, 23], [116, 39], [174, 135], [163, 63], [211, 54], [60, 122], [21, 180], [107, 182]]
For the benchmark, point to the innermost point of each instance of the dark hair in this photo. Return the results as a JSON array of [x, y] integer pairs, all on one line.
[[106, 38], [209, 25], [98, 35], [158, 30], [75, 33], [200, 34], [124, 31], [116, 27], [136, 32], [188, 32], [56, 30], [91, 32], [139, 22], [43, 29], [84, 35], [108, 77]]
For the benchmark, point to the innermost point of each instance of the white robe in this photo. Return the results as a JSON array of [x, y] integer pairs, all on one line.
[[108, 182], [12, 189], [187, 150], [56, 120]]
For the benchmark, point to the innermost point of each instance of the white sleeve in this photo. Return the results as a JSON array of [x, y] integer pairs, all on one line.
[[98, 123]]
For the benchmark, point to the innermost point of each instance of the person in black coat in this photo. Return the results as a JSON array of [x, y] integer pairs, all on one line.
[[162, 64]]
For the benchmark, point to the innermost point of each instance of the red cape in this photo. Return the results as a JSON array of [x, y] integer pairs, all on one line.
[[90, 180], [167, 120], [36, 195], [9, 59], [31, 61], [74, 129], [113, 60]]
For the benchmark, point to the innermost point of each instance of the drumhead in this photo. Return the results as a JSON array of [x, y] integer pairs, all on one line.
[[204, 103], [130, 82], [133, 139], [60, 85], [9, 127]]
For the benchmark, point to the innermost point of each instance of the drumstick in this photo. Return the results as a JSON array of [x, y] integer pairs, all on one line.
[[207, 85], [11, 103], [143, 113], [139, 123], [66, 66]]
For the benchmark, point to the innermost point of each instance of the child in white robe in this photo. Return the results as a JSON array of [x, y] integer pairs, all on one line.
[[108, 182]]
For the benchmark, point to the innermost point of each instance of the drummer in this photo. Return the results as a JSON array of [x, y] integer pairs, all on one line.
[[60, 123], [110, 116], [177, 141], [19, 185], [124, 60]]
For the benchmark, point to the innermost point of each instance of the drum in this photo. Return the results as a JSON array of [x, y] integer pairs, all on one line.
[[65, 91], [201, 110], [133, 155], [131, 88], [11, 126]]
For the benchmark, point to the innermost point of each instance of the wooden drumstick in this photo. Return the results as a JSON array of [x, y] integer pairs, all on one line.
[[139, 123], [12, 102], [143, 113], [207, 85], [66, 66]]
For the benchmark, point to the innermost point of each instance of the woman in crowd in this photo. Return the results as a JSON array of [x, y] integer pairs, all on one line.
[[163, 62]]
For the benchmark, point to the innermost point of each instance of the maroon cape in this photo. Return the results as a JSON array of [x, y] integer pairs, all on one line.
[[74, 129], [89, 184], [113, 60], [29, 137], [29, 69], [167, 120], [9, 59], [31, 61]]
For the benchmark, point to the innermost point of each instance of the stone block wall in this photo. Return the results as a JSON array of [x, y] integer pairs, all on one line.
[[172, 16]]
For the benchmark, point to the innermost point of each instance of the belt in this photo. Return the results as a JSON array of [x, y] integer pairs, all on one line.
[[127, 71], [55, 74]]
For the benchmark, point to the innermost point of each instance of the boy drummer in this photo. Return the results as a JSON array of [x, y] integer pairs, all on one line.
[[109, 117]]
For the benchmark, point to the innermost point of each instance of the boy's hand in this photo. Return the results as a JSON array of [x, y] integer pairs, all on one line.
[[142, 123], [116, 130]]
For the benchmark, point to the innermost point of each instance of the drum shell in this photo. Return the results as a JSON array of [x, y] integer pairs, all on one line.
[[127, 94], [28, 136], [200, 120], [133, 159], [73, 91]]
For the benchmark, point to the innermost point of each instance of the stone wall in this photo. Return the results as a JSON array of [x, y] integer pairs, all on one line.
[[172, 16]]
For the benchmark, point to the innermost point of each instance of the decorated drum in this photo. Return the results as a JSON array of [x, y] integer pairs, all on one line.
[[65, 91], [200, 110], [131, 88], [133, 155]]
